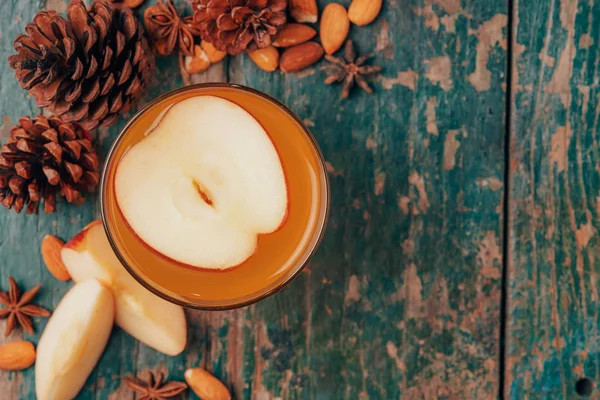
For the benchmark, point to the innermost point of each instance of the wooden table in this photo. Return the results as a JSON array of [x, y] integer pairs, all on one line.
[[461, 259]]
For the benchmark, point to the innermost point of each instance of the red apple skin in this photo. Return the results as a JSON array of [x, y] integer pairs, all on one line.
[[166, 320], [77, 241]]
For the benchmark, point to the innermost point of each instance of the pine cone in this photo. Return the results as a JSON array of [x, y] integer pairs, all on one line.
[[239, 25], [88, 68], [42, 157]]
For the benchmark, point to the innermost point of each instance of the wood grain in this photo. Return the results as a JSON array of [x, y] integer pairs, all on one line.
[[403, 297], [553, 320]]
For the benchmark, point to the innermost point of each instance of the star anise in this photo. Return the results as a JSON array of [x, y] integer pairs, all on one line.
[[168, 29], [350, 69], [18, 308], [153, 387]]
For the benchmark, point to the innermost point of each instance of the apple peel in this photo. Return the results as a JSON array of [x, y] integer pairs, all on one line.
[[145, 316]]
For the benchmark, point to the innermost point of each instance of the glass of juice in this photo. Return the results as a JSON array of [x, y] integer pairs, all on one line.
[[187, 199]]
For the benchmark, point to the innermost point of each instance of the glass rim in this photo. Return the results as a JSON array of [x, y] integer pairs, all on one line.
[[270, 289]]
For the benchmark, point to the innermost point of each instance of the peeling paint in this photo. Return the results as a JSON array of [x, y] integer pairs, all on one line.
[[584, 233], [585, 41], [489, 35], [449, 22], [451, 146], [353, 291], [439, 71], [404, 78], [403, 204], [561, 80], [547, 60], [417, 180], [431, 115], [585, 92], [235, 349], [392, 351], [517, 50], [489, 254], [383, 41], [5, 128], [371, 144], [560, 147], [259, 391], [379, 183], [408, 247], [262, 394], [10, 383], [412, 291], [60, 6], [491, 182], [450, 6], [431, 19], [438, 312], [333, 170]]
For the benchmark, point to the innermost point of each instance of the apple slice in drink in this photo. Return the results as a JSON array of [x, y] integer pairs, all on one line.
[[203, 184], [145, 316], [73, 340]]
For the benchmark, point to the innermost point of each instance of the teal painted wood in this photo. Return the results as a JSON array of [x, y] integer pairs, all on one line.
[[552, 335], [403, 297]]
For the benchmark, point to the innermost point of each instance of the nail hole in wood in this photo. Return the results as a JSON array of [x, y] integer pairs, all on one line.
[[584, 386]]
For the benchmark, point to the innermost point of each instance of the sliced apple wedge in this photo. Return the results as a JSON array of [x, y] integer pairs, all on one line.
[[145, 316], [203, 184], [73, 340]]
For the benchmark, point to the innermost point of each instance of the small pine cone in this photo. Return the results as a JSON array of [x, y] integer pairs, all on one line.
[[88, 68], [236, 26], [43, 157]]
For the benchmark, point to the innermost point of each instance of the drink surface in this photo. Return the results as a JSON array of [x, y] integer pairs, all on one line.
[[278, 255]]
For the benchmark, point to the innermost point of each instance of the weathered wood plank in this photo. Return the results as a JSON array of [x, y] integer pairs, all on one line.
[[403, 298], [553, 271], [20, 237]]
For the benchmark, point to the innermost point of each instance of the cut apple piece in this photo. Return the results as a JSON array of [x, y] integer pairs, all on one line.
[[73, 340], [145, 316], [204, 183]]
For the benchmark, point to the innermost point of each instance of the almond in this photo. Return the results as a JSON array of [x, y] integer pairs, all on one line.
[[267, 59], [304, 10], [299, 57], [334, 27], [206, 386], [211, 51], [17, 355], [293, 34], [51, 247], [198, 63], [363, 12]]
